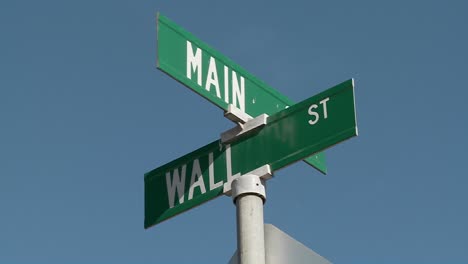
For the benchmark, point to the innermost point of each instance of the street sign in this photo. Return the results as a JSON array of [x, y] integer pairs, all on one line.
[[290, 135], [215, 77]]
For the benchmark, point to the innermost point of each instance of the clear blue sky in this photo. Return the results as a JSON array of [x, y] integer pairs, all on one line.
[[84, 113]]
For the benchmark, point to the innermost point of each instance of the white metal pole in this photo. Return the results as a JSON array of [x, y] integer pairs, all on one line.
[[248, 193]]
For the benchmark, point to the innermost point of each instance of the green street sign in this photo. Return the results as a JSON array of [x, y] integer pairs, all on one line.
[[288, 136], [215, 77]]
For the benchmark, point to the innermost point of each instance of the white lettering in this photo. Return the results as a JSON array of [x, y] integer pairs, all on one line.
[[238, 93], [195, 66], [229, 175], [226, 84], [194, 62], [196, 173], [178, 184], [212, 77], [213, 185], [315, 114], [312, 112], [324, 105]]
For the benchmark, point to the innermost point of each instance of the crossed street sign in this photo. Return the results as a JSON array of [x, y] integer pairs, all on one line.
[[215, 77], [274, 141], [274, 132]]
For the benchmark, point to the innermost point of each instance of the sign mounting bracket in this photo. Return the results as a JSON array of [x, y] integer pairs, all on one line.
[[236, 115], [250, 126]]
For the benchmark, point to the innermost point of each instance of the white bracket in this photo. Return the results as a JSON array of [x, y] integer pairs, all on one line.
[[236, 115], [242, 129], [263, 172]]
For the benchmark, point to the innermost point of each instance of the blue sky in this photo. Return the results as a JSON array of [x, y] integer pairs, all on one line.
[[85, 113]]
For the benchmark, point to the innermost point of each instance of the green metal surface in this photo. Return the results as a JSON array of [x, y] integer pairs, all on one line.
[[290, 135], [256, 97]]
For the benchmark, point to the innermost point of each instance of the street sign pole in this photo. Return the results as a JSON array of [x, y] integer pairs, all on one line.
[[248, 193]]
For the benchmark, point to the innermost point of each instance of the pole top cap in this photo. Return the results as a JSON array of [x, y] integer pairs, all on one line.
[[248, 184]]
